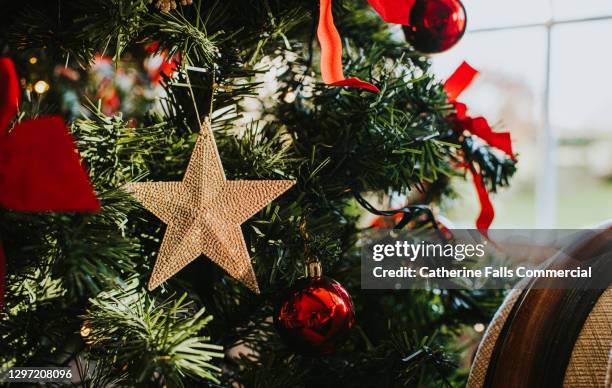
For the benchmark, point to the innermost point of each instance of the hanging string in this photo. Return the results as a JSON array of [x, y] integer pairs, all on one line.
[[312, 265]]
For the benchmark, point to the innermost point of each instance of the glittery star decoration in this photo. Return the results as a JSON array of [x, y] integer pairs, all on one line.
[[203, 214]]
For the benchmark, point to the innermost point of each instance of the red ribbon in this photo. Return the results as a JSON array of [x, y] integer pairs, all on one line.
[[487, 212], [331, 52], [478, 126], [40, 168], [393, 11]]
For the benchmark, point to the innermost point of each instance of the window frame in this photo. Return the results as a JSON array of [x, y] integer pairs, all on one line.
[[546, 140]]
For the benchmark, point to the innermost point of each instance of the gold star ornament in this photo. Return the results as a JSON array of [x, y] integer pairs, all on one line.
[[204, 213]]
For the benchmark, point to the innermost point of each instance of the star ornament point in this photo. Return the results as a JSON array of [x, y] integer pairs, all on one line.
[[203, 214]]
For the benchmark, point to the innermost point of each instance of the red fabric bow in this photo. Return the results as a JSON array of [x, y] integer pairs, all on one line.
[[331, 52], [40, 168], [478, 126]]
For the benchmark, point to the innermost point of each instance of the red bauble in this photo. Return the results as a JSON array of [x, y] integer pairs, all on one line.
[[435, 25], [316, 316]]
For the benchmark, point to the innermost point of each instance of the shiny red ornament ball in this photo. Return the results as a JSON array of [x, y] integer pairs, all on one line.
[[435, 25], [316, 316]]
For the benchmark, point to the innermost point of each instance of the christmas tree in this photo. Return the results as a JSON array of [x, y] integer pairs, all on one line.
[[138, 82]]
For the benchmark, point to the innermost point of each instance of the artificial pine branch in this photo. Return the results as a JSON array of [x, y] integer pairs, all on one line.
[[150, 341], [333, 141], [115, 151]]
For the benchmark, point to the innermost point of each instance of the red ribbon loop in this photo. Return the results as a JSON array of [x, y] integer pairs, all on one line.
[[459, 80], [331, 52]]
